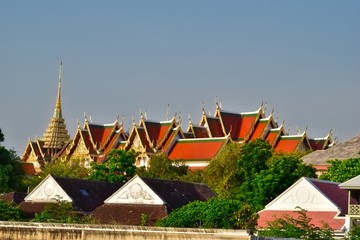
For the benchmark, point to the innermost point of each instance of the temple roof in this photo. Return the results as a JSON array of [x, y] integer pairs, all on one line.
[[197, 149], [56, 135]]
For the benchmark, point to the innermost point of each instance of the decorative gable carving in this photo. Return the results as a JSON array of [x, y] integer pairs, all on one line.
[[135, 192], [80, 150], [302, 194], [48, 191]]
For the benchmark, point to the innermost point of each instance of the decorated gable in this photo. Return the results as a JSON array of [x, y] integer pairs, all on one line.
[[135, 191], [48, 191], [303, 194]]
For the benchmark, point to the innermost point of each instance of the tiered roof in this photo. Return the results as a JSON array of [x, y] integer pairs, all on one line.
[[56, 135], [196, 146]]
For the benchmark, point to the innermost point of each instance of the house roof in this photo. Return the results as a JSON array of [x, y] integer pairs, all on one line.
[[85, 195], [318, 218], [176, 193], [152, 191], [323, 200], [129, 214], [196, 149], [15, 197], [353, 183], [341, 151]]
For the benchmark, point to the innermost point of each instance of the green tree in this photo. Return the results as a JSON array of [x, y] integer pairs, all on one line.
[[254, 156], [215, 213], [300, 228], [221, 173], [353, 234], [2, 138], [119, 167], [59, 212], [161, 166], [283, 170], [9, 212], [11, 173], [342, 170]]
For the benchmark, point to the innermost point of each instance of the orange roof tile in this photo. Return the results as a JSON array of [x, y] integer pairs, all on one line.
[[289, 144], [196, 149], [274, 135], [100, 133], [317, 218]]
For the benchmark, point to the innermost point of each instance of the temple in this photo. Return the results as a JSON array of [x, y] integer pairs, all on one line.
[[54, 140], [195, 146]]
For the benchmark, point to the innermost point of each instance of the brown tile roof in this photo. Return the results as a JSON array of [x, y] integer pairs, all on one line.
[[129, 214], [85, 194], [176, 193], [15, 197], [341, 151], [30, 208]]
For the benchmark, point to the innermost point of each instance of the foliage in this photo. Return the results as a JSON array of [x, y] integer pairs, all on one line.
[[342, 170], [221, 173], [353, 234], [119, 167], [161, 166], [300, 227], [215, 213], [282, 171], [11, 173], [254, 155], [9, 212], [58, 212], [2, 138], [72, 169]]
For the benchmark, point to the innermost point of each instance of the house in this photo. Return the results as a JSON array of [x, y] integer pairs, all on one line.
[[353, 214], [150, 199], [342, 151], [324, 201], [85, 195]]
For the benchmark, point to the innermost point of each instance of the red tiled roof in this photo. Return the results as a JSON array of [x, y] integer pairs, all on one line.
[[196, 149], [260, 129], [318, 218], [318, 144], [288, 144], [28, 168], [231, 123], [214, 125], [200, 132], [100, 133], [273, 136]]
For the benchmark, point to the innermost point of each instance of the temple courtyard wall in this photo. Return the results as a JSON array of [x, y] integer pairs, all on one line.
[[55, 231]]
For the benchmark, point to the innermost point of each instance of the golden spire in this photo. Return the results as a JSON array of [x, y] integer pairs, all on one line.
[[57, 110], [56, 135]]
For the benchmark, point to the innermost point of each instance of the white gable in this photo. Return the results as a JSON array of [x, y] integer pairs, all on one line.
[[135, 191], [48, 191], [302, 194]]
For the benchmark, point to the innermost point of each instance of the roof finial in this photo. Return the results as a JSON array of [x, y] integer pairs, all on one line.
[[90, 118], [168, 111], [145, 115], [122, 120], [57, 110], [85, 117]]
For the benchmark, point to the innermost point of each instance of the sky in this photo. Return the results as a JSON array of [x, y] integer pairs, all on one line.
[[301, 58]]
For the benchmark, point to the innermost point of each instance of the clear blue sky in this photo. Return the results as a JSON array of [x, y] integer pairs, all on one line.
[[301, 57]]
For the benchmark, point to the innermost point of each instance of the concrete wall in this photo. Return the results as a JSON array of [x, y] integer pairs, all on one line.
[[49, 231]]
